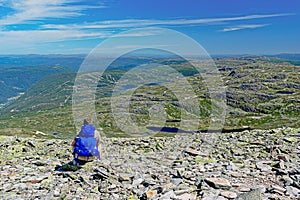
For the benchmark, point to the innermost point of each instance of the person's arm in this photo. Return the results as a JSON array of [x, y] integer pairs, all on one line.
[[74, 141], [97, 136]]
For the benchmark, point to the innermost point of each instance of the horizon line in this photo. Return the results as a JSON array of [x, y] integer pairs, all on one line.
[[215, 54]]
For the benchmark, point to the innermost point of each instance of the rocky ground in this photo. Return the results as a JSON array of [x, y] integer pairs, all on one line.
[[258, 164]]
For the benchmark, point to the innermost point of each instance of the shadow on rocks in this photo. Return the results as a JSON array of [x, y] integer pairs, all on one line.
[[70, 166]]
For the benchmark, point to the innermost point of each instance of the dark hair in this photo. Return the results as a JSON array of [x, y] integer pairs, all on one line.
[[87, 121]]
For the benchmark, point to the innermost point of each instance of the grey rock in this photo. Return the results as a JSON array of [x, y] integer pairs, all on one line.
[[192, 152], [176, 181], [261, 188], [232, 167], [170, 174], [136, 182], [263, 167], [292, 191], [214, 198], [218, 183], [186, 196], [115, 196], [125, 177], [56, 192], [278, 188], [253, 195], [20, 186], [100, 174], [287, 180], [180, 192], [228, 194], [168, 195], [34, 179], [244, 189]]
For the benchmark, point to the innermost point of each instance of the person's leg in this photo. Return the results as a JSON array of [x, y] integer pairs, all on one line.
[[75, 159]]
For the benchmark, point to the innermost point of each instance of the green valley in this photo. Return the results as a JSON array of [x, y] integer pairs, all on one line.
[[261, 93]]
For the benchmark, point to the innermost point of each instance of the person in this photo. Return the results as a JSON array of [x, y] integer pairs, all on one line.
[[86, 144]]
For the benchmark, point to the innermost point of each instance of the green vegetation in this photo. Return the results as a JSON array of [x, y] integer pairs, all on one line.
[[52, 92], [16, 80], [261, 93]]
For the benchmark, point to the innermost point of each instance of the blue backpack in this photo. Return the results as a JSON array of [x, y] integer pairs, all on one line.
[[86, 144], [87, 130]]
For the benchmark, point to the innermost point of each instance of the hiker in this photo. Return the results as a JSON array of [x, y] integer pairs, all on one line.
[[86, 145]]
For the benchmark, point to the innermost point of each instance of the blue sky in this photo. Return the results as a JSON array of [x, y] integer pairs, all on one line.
[[221, 27]]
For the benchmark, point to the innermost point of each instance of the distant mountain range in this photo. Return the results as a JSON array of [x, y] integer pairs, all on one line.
[[32, 60], [18, 73], [17, 80], [283, 56], [74, 61], [262, 92], [287, 56]]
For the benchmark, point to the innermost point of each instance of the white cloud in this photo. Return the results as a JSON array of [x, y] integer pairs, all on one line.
[[46, 36], [246, 26], [28, 39], [133, 47], [44, 41], [27, 11], [139, 33], [30, 10], [142, 23]]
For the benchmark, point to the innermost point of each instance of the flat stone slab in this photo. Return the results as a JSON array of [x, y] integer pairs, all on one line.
[[218, 183]]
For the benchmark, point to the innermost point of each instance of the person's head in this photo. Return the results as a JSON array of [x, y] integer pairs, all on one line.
[[87, 121]]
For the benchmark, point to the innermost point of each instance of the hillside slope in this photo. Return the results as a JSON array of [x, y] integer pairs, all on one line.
[[260, 92], [52, 92], [17, 80]]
